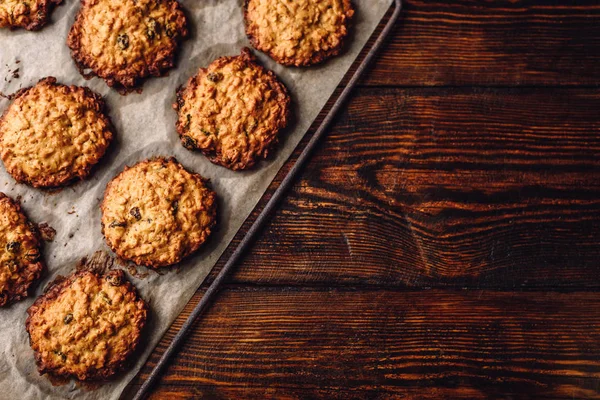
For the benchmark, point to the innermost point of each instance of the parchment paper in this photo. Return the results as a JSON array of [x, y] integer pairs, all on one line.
[[145, 126]]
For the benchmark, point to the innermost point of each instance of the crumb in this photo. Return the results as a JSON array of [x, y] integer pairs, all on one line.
[[133, 271], [47, 232], [10, 76]]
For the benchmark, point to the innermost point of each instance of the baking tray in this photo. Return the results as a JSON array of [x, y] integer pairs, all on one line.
[[355, 73]]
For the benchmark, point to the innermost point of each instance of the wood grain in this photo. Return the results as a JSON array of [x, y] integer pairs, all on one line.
[[346, 343], [495, 43], [454, 187]]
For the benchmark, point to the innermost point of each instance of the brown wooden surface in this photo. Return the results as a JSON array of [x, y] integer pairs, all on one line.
[[493, 43], [444, 240]]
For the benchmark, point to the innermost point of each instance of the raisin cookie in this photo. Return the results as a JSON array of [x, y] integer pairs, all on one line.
[[20, 260], [232, 111], [298, 32], [53, 134], [156, 213], [28, 14], [86, 326], [125, 41]]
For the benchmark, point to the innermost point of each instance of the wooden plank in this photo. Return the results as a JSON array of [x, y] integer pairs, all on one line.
[[499, 43], [345, 343], [445, 187]]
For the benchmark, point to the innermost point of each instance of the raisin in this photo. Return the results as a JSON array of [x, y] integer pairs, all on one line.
[[115, 224], [188, 142], [114, 279], [123, 41], [68, 319], [105, 298], [62, 355], [175, 206], [214, 76], [135, 213], [13, 247], [152, 28]]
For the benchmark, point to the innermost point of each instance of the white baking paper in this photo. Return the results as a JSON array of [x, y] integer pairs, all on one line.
[[145, 127]]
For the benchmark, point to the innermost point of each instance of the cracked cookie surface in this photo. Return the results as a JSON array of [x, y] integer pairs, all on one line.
[[28, 14], [86, 326], [52, 134], [20, 259], [156, 213], [125, 41], [232, 111], [298, 32]]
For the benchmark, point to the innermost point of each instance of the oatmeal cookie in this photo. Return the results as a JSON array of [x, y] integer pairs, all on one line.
[[28, 14], [20, 260], [52, 134], [232, 111], [86, 326], [156, 213], [298, 32], [125, 41]]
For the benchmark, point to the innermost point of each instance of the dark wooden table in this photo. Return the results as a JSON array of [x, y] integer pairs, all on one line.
[[444, 240]]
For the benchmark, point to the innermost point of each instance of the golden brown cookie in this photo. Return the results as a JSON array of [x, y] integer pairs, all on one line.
[[298, 32], [29, 14], [125, 41], [156, 213], [232, 111], [86, 326], [52, 134], [20, 260]]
